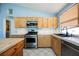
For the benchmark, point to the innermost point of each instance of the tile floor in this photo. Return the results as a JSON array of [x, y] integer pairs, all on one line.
[[38, 52]]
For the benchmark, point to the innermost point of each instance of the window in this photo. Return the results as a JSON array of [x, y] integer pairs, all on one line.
[[74, 31]]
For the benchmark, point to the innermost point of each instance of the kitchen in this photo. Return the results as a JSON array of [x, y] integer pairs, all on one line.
[[43, 29]]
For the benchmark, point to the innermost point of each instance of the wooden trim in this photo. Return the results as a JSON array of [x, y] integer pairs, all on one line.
[[70, 20]]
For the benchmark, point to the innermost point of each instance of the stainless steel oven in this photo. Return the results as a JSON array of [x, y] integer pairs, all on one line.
[[31, 41], [32, 36]]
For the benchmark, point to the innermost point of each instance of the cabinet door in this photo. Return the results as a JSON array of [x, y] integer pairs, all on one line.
[[40, 22], [52, 43], [70, 17], [19, 49], [69, 24], [56, 45], [31, 18], [45, 22], [44, 41], [50, 22], [69, 14], [20, 22], [55, 22]]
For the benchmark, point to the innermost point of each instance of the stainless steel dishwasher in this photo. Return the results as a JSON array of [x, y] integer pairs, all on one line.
[[69, 49]]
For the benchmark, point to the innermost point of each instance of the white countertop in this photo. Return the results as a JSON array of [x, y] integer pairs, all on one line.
[[7, 43], [73, 40]]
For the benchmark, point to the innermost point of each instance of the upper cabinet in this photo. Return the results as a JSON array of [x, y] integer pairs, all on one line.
[[55, 22], [70, 17], [47, 22], [31, 18], [20, 22], [50, 22], [70, 14], [43, 22], [40, 22]]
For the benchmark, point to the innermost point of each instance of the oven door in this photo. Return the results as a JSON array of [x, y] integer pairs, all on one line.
[[31, 42]]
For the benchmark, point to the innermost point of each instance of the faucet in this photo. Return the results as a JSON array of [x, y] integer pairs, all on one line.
[[72, 33], [66, 31]]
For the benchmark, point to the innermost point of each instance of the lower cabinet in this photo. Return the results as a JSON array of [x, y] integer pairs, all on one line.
[[16, 50], [44, 41], [50, 41], [56, 45]]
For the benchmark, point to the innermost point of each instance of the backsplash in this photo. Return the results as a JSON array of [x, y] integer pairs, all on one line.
[[74, 31], [19, 32], [44, 31]]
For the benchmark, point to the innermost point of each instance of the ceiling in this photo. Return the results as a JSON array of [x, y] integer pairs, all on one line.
[[50, 8]]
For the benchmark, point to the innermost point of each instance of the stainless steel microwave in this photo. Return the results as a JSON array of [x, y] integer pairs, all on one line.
[[31, 24]]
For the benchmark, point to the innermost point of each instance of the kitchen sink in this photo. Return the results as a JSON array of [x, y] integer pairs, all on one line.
[[63, 35]]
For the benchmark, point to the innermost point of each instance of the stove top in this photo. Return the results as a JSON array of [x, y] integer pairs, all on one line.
[[32, 33]]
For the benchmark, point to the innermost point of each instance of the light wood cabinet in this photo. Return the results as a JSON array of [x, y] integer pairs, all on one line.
[[56, 45], [55, 22], [20, 22], [70, 24], [16, 50], [44, 41], [40, 22], [70, 13], [45, 22], [70, 17], [32, 18], [50, 22]]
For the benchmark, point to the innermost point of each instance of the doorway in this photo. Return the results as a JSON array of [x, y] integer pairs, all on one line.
[[7, 28]]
